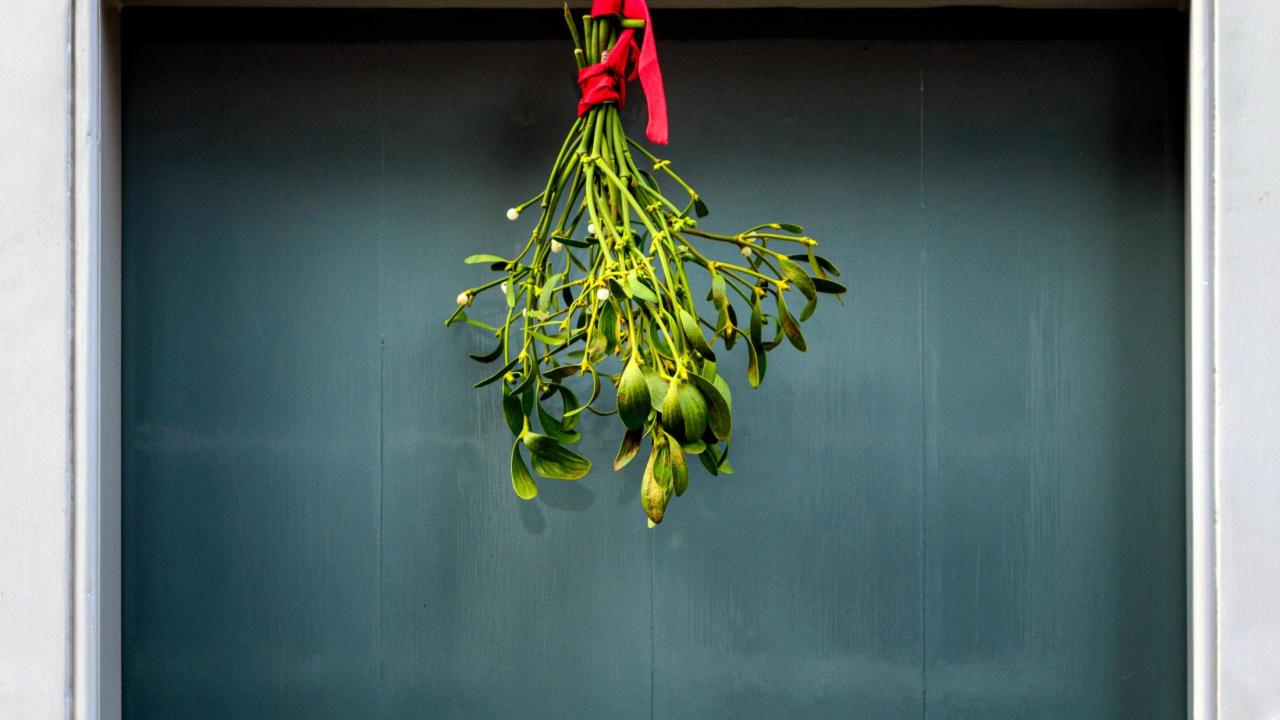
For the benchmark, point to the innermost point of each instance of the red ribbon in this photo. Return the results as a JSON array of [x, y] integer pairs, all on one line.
[[606, 81]]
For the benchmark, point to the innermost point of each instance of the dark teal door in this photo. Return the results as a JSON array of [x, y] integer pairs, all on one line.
[[966, 500]]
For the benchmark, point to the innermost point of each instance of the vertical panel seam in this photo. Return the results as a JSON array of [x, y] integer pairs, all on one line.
[[924, 423], [653, 659], [382, 363]]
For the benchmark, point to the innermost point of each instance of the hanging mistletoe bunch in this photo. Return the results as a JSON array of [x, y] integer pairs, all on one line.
[[600, 297]]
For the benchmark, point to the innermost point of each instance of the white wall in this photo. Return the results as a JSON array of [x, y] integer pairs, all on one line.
[[1248, 322], [35, 244]]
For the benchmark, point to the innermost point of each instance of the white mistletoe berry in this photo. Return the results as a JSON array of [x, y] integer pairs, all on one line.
[[556, 246], [503, 287], [513, 214], [602, 294], [591, 229], [463, 298], [746, 251]]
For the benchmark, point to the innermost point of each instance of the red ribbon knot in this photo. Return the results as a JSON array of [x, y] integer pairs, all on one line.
[[606, 81]]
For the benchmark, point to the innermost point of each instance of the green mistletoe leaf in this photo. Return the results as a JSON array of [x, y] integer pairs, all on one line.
[[823, 263], [755, 371], [479, 259], [719, 414], [553, 460], [657, 388], [521, 480], [830, 287], [679, 470], [500, 372], [654, 493], [633, 396], [790, 326], [641, 290], [798, 277], [684, 412], [629, 447], [693, 333], [512, 412], [555, 428]]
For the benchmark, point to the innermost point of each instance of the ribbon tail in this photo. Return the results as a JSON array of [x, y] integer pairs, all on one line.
[[647, 70], [651, 81]]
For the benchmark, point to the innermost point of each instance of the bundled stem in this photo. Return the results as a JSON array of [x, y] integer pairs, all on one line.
[[605, 274]]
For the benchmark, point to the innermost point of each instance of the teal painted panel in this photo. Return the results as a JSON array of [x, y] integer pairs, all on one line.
[[792, 588], [1054, 542], [965, 501], [498, 608], [251, 384]]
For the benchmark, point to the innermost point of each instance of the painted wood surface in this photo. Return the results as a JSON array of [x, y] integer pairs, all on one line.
[[966, 501]]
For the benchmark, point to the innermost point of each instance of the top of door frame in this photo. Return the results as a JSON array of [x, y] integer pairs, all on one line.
[[683, 4]]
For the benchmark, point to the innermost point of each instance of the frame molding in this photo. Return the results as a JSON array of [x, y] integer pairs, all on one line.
[[96, 293], [96, 233], [1201, 364]]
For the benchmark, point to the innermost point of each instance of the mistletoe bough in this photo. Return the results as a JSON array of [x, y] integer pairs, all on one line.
[[599, 302]]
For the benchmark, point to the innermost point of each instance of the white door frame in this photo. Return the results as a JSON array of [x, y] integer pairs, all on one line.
[[95, 422]]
